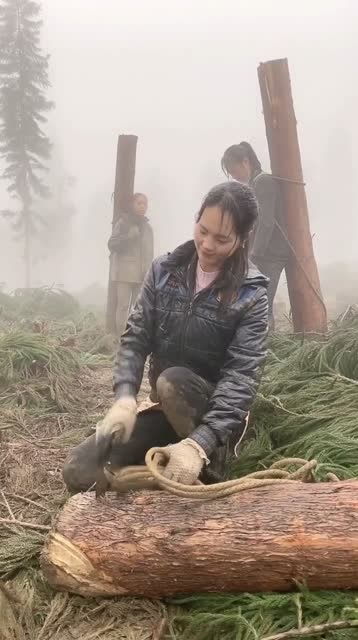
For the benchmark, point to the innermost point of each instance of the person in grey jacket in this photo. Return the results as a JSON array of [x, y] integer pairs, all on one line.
[[131, 247], [269, 248], [201, 316]]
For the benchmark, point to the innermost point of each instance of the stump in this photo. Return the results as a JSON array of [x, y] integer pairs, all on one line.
[[154, 544]]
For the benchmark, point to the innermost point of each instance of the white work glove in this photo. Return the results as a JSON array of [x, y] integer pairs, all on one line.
[[120, 418], [186, 460]]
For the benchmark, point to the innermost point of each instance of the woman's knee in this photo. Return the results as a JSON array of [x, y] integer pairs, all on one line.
[[182, 386], [183, 396], [79, 470], [171, 382]]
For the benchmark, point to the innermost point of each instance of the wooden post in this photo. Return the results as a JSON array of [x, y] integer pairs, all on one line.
[[307, 305], [122, 201]]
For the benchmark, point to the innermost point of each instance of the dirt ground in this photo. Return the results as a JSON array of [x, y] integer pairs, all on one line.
[[33, 449]]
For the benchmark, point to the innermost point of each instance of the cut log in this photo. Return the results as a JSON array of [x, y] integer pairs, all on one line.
[[154, 544], [308, 308]]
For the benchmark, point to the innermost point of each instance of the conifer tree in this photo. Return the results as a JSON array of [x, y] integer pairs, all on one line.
[[24, 147]]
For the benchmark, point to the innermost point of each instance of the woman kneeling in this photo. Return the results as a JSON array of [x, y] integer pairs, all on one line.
[[201, 316]]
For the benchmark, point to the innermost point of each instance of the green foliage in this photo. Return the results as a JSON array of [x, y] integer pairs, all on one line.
[[37, 371], [307, 407], [254, 616], [19, 550], [45, 302]]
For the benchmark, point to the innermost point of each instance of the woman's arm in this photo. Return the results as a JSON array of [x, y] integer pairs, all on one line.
[[239, 379], [136, 342], [122, 234]]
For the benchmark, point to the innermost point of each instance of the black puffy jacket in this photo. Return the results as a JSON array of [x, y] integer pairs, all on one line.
[[227, 348]]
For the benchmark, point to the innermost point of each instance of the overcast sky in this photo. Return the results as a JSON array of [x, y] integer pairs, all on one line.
[[183, 77]]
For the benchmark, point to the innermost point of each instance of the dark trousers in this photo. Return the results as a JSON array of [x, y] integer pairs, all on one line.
[[184, 398], [273, 270]]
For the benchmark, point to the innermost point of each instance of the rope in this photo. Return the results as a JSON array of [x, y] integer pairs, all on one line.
[[300, 265], [151, 477]]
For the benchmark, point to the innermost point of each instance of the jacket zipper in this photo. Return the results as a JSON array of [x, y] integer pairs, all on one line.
[[188, 314]]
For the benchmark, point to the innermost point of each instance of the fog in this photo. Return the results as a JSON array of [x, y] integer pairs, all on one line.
[[183, 77]]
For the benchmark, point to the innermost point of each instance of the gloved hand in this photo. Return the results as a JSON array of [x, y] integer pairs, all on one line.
[[186, 460], [121, 417]]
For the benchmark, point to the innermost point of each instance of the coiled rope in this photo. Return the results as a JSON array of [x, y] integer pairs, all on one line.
[[287, 470]]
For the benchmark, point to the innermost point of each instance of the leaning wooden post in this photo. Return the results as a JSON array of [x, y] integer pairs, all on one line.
[[122, 200], [307, 305]]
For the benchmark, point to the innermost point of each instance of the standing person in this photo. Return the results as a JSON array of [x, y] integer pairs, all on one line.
[[131, 247], [269, 247], [201, 315]]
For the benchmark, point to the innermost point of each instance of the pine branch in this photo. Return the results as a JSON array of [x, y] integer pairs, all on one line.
[[26, 525], [315, 630]]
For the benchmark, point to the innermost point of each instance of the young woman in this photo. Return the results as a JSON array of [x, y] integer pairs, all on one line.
[[202, 317], [131, 247], [269, 249]]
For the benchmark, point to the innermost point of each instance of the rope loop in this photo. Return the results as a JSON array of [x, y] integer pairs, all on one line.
[[287, 470]]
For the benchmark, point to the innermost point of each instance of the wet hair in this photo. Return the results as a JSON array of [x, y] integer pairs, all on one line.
[[237, 153], [239, 201]]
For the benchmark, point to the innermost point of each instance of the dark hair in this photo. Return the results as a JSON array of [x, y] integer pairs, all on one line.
[[139, 195], [238, 153], [239, 201]]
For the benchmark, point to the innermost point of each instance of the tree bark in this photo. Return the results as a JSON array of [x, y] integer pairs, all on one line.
[[122, 202], [27, 249], [154, 544], [125, 175], [308, 309]]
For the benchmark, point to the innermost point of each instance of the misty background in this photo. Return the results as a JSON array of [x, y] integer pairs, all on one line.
[[183, 77]]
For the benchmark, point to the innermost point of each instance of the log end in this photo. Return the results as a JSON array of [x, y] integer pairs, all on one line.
[[67, 568]]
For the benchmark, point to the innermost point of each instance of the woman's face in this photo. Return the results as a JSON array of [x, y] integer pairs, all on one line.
[[215, 238], [140, 205], [240, 171]]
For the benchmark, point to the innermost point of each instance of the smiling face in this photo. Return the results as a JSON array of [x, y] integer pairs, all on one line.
[[215, 238]]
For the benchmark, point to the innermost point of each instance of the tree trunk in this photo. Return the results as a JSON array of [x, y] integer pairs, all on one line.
[[122, 202], [27, 251], [308, 309], [154, 544], [125, 175]]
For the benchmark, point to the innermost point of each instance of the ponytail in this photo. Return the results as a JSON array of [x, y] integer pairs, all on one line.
[[237, 153]]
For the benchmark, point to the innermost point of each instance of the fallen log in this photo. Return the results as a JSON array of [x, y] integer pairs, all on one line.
[[154, 544]]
